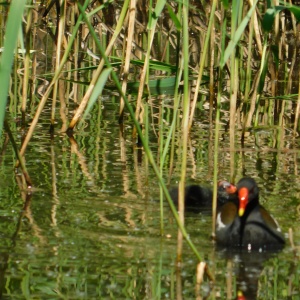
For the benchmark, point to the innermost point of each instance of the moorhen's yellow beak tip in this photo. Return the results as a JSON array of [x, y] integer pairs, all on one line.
[[241, 212]]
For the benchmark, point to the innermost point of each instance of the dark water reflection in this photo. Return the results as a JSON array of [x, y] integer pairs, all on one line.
[[91, 228], [244, 270]]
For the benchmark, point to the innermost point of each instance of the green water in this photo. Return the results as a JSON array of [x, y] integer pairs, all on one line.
[[91, 227]]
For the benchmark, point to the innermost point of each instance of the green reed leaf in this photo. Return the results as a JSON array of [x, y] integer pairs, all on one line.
[[269, 17], [12, 30], [225, 3], [97, 91], [174, 18], [156, 13], [236, 38]]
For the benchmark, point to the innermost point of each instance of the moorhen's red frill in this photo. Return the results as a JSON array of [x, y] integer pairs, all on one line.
[[243, 222], [198, 198]]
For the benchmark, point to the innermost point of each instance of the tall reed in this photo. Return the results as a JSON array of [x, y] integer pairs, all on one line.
[[13, 26]]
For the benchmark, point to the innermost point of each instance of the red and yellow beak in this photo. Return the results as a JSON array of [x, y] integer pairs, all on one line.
[[243, 200]]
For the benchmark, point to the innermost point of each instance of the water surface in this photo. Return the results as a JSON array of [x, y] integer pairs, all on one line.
[[91, 227]]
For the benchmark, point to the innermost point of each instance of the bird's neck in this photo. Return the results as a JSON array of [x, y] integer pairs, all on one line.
[[250, 206]]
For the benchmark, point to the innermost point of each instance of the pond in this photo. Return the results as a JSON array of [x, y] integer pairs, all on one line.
[[91, 226]]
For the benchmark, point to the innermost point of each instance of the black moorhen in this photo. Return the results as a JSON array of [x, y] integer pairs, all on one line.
[[198, 198], [243, 222]]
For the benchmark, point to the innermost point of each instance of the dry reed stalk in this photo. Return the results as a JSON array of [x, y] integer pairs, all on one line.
[[202, 63], [179, 284], [76, 51], [289, 80], [276, 22], [216, 157], [295, 248], [34, 62], [60, 36], [63, 105], [35, 120], [212, 64], [200, 271], [131, 22], [256, 95], [27, 62], [143, 78], [257, 31], [297, 111], [48, 91], [97, 73]]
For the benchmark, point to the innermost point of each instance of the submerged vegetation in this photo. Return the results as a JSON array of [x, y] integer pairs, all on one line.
[[238, 58]]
